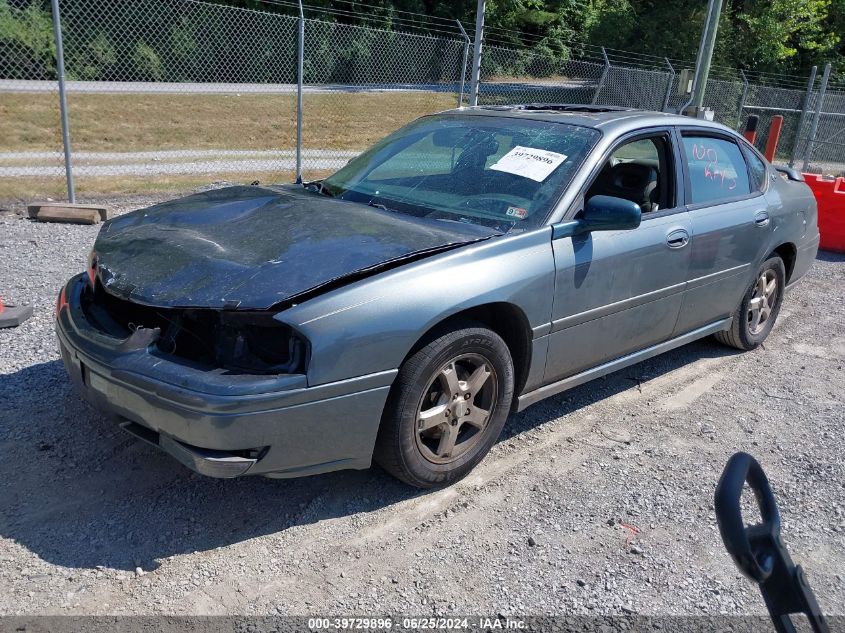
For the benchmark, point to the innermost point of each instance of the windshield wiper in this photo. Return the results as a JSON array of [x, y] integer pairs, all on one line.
[[317, 186], [378, 205]]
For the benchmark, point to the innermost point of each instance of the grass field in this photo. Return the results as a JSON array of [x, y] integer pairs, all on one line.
[[147, 122], [139, 122], [16, 192]]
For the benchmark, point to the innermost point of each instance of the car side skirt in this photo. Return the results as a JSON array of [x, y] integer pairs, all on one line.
[[527, 399]]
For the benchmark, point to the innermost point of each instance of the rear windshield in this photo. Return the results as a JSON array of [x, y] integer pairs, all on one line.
[[496, 171]]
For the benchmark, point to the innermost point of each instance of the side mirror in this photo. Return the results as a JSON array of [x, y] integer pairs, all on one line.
[[602, 213], [607, 213]]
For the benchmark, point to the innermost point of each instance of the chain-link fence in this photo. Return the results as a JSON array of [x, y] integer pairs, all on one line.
[[627, 84], [26, 60], [362, 83], [172, 94], [828, 142], [521, 76], [612, 78]]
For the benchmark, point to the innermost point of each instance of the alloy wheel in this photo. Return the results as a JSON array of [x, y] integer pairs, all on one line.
[[762, 301], [455, 408]]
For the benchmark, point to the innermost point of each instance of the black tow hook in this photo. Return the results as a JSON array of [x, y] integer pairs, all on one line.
[[758, 550]]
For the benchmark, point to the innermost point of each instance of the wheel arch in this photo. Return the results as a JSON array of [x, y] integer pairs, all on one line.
[[505, 319], [788, 253]]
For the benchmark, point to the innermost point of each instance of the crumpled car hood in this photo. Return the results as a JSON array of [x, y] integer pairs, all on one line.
[[253, 247]]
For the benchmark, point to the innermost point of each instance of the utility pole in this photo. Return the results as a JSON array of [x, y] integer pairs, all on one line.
[[705, 52], [476, 52]]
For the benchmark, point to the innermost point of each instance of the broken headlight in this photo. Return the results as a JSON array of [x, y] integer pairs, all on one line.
[[252, 343], [242, 342]]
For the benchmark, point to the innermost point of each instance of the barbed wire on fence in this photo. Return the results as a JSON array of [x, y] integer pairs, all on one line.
[[153, 85]]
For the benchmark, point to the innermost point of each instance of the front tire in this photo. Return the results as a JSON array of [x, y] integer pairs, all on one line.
[[755, 317], [446, 408]]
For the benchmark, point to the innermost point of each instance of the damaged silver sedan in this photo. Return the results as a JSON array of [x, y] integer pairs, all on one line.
[[465, 267]]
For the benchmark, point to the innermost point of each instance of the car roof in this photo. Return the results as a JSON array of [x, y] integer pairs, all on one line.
[[605, 118]]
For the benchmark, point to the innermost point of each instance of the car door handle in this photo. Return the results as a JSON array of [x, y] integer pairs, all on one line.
[[761, 218], [677, 239]]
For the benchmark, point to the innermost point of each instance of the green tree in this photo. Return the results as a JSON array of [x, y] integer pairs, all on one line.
[[780, 34], [148, 66], [93, 60], [27, 49]]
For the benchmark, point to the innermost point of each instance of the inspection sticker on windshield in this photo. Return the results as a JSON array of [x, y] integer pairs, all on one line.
[[529, 162], [517, 212]]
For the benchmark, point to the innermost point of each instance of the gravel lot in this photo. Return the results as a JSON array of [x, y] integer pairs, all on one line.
[[595, 501]]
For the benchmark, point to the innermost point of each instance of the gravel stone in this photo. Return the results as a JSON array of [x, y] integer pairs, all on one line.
[[586, 471]]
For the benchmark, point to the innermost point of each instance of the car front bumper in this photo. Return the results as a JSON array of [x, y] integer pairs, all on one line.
[[215, 423]]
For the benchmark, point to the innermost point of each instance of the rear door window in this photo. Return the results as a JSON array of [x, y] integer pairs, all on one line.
[[758, 170], [716, 168]]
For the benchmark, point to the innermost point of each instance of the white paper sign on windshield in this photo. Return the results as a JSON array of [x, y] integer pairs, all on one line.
[[529, 162]]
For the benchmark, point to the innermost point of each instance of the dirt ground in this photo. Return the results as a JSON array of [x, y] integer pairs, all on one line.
[[596, 501]]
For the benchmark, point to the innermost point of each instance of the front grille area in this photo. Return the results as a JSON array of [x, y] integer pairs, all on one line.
[[242, 342]]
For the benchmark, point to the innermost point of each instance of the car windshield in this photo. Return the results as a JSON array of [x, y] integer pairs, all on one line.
[[495, 171]]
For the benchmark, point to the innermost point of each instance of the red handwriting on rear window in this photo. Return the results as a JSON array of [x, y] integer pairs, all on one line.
[[712, 170]]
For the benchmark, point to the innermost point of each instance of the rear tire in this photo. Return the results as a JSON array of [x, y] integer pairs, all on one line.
[[446, 408], [755, 317]]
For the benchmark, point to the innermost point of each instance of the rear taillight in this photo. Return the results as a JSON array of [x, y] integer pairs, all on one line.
[[61, 302], [92, 268]]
